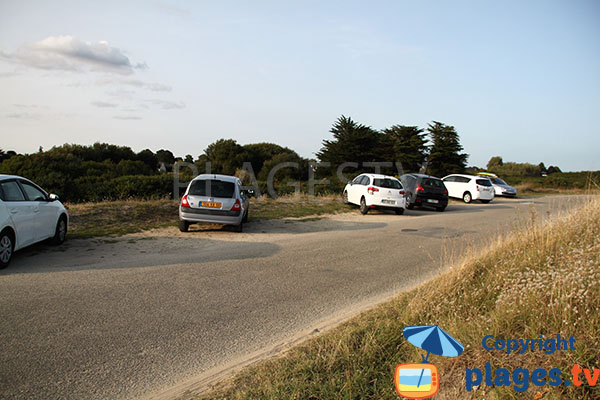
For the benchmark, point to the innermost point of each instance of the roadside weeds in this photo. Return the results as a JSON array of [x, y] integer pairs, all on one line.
[[541, 279]]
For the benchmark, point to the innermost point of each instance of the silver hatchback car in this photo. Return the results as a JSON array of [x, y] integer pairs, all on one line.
[[217, 199]]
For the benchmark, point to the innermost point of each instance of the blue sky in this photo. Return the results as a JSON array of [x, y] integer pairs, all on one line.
[[516, 79]]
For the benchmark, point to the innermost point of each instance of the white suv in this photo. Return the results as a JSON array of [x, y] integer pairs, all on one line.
[[469, 187], [375, 191], [28, 215]]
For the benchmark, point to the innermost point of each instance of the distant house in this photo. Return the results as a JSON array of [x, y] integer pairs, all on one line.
[[162, 167]]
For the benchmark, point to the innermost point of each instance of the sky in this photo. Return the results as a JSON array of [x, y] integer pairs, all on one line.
[[517, 79]]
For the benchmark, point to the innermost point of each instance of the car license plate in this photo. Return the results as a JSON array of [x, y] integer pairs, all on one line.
[[433, 201], [388, 201], [211, 205]]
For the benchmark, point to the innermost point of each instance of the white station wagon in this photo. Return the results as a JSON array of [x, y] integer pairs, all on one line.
[[469, 187], [375, 191], [28, 215]]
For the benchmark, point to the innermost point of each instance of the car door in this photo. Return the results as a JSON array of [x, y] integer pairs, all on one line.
[[45, 212], [450, 184], [21, 212], [361, 188], [353, 190]]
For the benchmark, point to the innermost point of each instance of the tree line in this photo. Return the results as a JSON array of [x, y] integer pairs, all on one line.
[[108, 172], [435, 150]]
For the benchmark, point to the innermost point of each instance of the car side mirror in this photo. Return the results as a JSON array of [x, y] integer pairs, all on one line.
[[53, 197]]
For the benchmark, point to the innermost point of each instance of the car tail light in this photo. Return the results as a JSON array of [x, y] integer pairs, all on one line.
[[372, 190], [184, 201], [236, 206], [420, 188], [445, 191], [402, 192]]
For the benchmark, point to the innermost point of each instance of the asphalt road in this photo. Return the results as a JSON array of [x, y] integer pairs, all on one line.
[[135, 316]]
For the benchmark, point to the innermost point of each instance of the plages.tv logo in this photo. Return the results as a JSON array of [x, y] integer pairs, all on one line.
[[421, 380]]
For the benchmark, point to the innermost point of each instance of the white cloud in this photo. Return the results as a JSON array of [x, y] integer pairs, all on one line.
[[155, 87], [25, 116], [103, 104], [168, 105], [71, 54], [127, 117]]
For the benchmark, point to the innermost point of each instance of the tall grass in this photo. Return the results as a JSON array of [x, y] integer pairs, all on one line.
[[542, 279]]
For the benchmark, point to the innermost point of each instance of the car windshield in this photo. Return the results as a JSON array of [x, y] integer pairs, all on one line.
[[212, 188], [436, 183], [387, 183], [498, 181], [484, 182]]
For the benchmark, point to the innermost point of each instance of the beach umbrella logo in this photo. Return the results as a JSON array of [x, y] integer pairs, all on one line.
[[421, 380]]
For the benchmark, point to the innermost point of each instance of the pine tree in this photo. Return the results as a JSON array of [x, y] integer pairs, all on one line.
[[410, 146], [354, 142], [445, 156]]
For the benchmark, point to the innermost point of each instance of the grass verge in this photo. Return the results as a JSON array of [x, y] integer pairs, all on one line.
[[115, 218], [539, 280]]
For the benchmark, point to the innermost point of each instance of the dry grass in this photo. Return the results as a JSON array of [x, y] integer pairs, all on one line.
[[114, 218], [543, 279]]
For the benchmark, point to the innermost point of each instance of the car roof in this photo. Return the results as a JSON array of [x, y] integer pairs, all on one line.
[[487, 174], [3, 176], [379, 176], [467, 176], [422, 176], [227, 178]]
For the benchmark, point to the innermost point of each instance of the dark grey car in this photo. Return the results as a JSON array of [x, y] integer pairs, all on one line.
[[424, 191]]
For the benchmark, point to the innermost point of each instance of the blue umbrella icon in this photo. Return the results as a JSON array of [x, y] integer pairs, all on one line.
[[433, 339]]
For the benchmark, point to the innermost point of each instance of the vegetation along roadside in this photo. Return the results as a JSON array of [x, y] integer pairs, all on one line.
[[543, 279]]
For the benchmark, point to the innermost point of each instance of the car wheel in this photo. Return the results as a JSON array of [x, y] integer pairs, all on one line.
[[467, 197], [409, 203], [363, 206], [60, 234], [485, 201], [345, 197], [245, 219], [440, 209], [240, 227], [183, 225], [399, 211], [7, 246]]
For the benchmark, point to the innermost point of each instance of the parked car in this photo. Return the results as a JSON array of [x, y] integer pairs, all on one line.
[[469, 187], [28, 215], [424, 191], [501, 188], [217, 199], [375, 191]]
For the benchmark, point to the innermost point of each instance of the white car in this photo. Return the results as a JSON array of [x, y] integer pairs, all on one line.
[[501, 188], [375, 191], [217, 199], [28, 215], [469, 187]]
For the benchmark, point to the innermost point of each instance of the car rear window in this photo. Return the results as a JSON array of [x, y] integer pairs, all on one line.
[[387, 183], [484, 182], [212, 188], [435, 183]]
